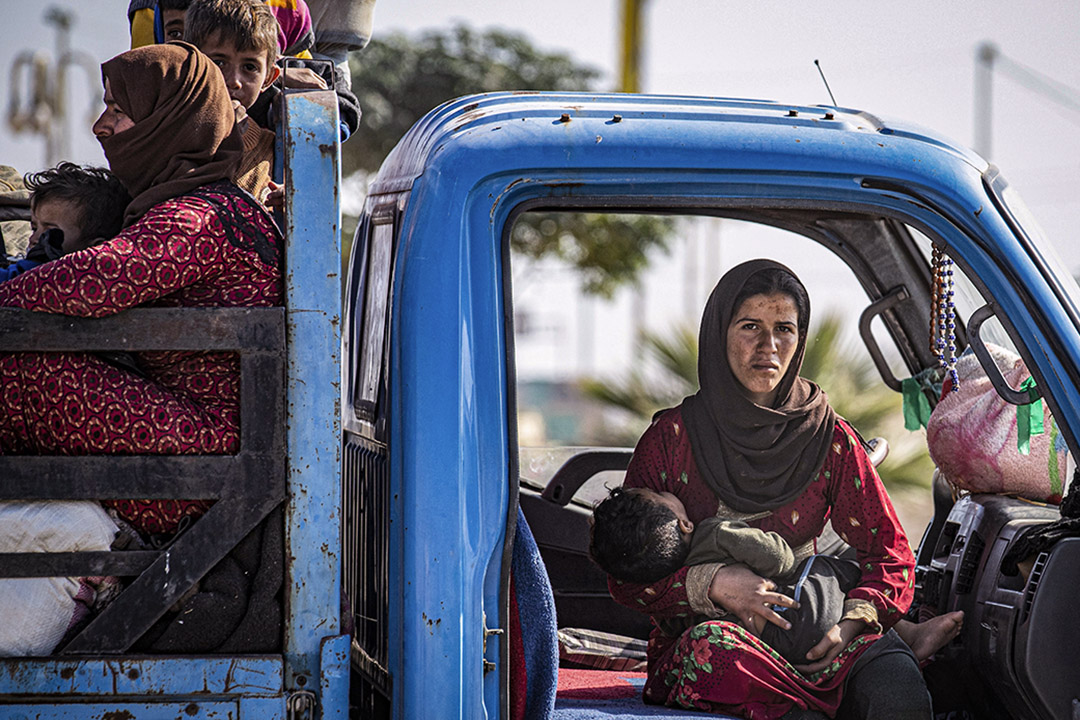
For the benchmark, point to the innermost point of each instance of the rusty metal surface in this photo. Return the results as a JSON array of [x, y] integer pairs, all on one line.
[[48, 477], [313, 425], [334, 678], [254, 675], [74, 564], [187, 710], [211, 329]]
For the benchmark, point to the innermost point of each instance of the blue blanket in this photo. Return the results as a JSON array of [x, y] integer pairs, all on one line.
[[538, 632]]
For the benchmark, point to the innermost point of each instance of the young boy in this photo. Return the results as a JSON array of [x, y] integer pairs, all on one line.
[[642, 536], [71, 208], [295, 39], [241, 37], [158, 21]]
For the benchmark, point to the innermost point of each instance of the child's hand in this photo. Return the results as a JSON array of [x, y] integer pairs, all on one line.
[[276, 197], [241, 112], [834, 642], [304, 78]]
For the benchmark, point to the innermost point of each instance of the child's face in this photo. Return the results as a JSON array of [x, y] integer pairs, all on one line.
[[173, 22], [246, 72], [61, 214]]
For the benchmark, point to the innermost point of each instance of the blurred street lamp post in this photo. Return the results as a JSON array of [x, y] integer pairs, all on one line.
[[984, 97], [45, 113], [630, 82], [990, 60], [630, 59]]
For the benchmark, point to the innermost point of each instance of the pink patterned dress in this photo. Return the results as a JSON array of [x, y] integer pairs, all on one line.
[[719, 666], [209, 248]]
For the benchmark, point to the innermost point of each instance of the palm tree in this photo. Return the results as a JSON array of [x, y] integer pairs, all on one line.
[[850, 379]]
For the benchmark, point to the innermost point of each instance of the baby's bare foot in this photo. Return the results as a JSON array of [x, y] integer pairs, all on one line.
[[927, 637]]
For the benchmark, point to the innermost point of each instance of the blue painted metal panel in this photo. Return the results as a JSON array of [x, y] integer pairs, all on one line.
[[256, 708], [647, 131], [470, 163], [681, 148], [249, 675], [334, 678], [453, 524], [313, 310], [195, 710]]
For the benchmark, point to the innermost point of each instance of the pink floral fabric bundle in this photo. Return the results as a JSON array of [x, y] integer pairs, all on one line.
[[972, 436]]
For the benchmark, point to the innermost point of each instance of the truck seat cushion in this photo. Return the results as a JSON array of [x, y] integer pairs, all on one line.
[[586, 648], [37, 612], [972, 435]]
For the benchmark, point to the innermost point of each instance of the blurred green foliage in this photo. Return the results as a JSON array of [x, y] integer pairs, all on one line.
[[608, 251], [399, 79]]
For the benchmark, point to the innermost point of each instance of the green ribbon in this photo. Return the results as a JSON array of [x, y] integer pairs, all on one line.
[[916, 404], [1029, 417]]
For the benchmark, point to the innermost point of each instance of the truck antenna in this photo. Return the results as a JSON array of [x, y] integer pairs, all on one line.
[[822, 73]]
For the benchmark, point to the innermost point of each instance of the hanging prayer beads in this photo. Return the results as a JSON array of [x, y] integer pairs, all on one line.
[[943, 314]]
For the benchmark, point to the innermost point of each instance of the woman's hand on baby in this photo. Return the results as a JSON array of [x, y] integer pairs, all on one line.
[[749, 597], [836, 639]]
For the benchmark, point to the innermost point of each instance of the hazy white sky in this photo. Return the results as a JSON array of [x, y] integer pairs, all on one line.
[[913, 60]]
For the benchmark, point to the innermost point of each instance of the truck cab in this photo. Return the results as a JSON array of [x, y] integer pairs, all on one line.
[[434, 467], [433, 547]]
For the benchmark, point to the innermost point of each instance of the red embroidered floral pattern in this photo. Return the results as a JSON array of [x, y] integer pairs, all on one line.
[[743, 675], [176, 255]]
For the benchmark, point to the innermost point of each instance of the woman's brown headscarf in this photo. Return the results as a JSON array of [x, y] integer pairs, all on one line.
[[754, 458], [185, 132]]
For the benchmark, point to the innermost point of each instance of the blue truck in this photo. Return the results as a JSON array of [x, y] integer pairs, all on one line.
[[411, 507], [430, 404]]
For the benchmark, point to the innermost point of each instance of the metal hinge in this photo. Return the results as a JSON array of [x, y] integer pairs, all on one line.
[[488, 632], [300, 705]]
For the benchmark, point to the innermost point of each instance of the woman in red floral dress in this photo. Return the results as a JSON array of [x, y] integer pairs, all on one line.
[[759, 443], [191, 239]]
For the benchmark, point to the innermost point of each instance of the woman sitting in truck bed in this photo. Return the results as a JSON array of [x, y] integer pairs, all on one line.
[[191, 238]]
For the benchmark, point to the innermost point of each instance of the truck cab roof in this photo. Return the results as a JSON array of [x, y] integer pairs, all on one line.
[[728, 131]]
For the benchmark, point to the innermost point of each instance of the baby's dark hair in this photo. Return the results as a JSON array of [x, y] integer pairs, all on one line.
[[98, 194], [635, 538], [173, 4]]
